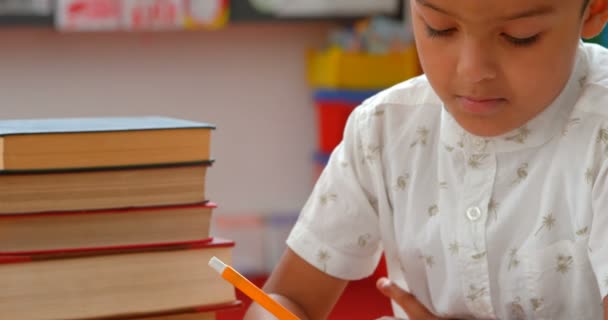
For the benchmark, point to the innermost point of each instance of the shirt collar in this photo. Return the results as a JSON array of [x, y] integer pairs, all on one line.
[[550, 123]]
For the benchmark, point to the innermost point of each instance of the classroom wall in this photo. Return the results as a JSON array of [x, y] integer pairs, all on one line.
[[248, 79]]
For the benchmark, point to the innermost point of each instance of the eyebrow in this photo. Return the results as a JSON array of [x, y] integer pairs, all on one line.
[[434, 7], [539, 11]]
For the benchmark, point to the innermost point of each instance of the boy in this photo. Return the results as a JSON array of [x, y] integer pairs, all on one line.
[[484, 182]]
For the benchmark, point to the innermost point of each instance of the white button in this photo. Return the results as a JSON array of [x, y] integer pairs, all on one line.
[[479, 143], [473, 213]]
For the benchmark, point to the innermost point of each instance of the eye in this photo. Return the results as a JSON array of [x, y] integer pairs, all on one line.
[[433, 33], [522, 42]]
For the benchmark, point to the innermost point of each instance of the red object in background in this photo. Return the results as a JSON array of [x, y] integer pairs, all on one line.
[[99, 9], [381, 269], [159, 12], [598, 6], [331, 118]]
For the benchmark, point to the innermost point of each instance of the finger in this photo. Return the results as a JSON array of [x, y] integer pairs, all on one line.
[[414, 309]]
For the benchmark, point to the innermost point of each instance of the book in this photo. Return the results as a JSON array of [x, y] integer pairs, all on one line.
[[183, 316], [152, 15], [103, 229], [204, 313], [72, 190], [187, 316], [40, 144], [105, 284], [87, 15]]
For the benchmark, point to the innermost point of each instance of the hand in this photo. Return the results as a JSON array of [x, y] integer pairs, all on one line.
[[408, 302]]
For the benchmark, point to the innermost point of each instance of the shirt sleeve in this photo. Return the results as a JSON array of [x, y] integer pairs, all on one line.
[[598, 238], [338, 229]]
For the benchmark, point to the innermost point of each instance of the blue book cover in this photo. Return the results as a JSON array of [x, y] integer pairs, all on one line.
[[101, 142], [96, 124]]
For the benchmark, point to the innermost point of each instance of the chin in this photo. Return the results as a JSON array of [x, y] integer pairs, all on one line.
[[486, 127], [483, 126]]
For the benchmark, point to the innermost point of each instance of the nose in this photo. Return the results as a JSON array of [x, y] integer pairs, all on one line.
[[476, 62]]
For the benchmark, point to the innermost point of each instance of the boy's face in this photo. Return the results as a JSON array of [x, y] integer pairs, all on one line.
[[497, 64]]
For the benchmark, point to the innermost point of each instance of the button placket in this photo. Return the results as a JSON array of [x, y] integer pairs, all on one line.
[[473, 213], [478, 185], [479, 144]]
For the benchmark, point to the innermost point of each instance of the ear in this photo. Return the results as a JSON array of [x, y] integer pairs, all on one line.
[[595, 18]]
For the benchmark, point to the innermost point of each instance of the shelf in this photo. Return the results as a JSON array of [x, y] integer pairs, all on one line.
[[38, 21], [243, 11]]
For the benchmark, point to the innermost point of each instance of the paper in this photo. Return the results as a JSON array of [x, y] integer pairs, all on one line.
[[153, 14], [88, 15], [139, 15]]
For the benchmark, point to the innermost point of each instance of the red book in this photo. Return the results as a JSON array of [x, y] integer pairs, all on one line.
[[28, 234], [201, 313], [114, 283]]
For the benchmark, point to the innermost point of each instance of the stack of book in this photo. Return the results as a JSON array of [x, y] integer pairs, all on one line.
[[108, 218]]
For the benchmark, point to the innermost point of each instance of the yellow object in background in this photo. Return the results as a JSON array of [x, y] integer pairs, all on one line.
[[206, 14], [334, 68]]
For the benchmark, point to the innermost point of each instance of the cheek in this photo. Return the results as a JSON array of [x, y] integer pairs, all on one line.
[[534, 76], [435, 60], [436, 64], [522, 87]]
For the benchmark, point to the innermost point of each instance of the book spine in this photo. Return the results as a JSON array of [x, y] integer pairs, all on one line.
[[2, 153], [88, 252], [112, 249], [232, 305], [205, 163], [14, 259], [143, 210]]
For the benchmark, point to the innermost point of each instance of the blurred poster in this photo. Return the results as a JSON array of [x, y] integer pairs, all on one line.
[[140, 15], [153, 14], [26, 7], [321, 8], [209, 14], [88, 15]]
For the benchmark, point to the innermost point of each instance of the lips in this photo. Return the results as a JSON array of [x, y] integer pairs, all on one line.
[[480, 105], [475, 99]]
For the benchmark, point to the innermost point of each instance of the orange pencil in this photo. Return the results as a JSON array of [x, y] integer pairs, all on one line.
[[253, 292]]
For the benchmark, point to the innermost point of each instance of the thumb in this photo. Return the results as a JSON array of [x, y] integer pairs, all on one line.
[[408, 302]]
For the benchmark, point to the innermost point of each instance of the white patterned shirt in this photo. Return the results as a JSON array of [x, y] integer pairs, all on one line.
[[507, 227]]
